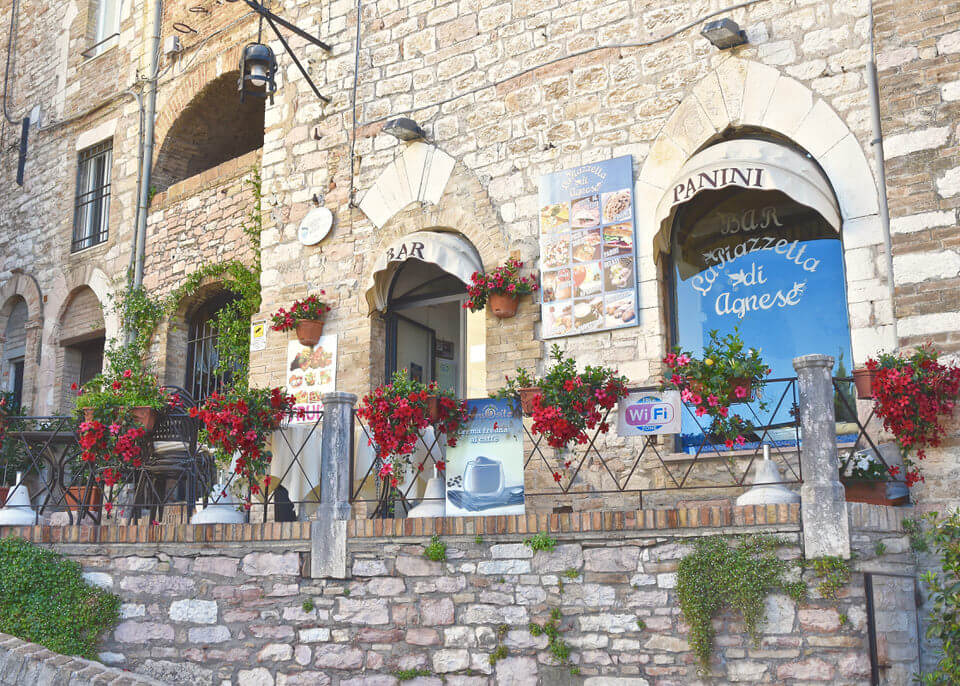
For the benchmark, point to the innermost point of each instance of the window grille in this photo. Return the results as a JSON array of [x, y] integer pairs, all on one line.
[[92, 207], [203, 357]]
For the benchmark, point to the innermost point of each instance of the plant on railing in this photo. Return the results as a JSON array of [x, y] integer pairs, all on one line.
[[237, 423], [913, 395], [14, 455], [944, 621], [396, 413], [717, 574], [44, 599], [305, 316], [726, 374], [567, 403], [501, 288]]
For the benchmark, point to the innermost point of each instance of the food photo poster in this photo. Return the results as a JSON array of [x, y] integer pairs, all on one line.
[[588, 249], [484, 471], [311, 372]]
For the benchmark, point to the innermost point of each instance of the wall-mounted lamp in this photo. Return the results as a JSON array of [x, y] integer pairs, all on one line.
[[404, 129], [258, 67], [724, 33]]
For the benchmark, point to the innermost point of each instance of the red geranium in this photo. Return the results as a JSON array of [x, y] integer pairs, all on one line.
[[504, 280], [308, 309]]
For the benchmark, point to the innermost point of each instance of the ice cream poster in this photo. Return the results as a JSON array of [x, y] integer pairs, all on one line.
[[485, 469], [588, 249], [310, 373]]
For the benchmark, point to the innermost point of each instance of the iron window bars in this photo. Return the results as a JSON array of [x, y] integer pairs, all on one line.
[[203, 356], [92, 206]]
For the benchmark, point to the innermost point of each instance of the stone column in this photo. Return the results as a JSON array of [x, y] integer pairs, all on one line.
[[328, 531], [826, 530]]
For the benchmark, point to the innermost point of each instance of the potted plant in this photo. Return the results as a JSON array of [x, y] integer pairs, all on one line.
[[865, 479], [522, 387], [726, 374], [912, 395], [111, 450], [305, 316], [237, 424], [501, 289], [133, 389], [397, 412], [863, 379]]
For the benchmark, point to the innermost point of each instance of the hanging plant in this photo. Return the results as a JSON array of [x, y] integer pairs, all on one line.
[[305, 316], [727, 374], [913, 395], [397, 413], [501, 289], [237, 424]]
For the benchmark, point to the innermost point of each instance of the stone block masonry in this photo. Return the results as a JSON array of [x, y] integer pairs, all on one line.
[[231, 604]]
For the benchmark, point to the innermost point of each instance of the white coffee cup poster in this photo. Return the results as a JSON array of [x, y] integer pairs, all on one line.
[[588, 249], [484, 471]]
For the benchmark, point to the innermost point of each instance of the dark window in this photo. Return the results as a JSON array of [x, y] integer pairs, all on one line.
[[203, 357], [16, 372], [91, 360], [92, 207]]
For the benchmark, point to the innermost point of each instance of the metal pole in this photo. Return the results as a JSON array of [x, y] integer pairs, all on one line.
[[150, 117], [871, 630]]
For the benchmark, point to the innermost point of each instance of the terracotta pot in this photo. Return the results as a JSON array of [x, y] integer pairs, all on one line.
[[740, 381], [526, 398], [503, 306], [309, 331], [73, 497], [871, 492], [863, 379], [4, 490], [433, 407], [88, 414], [146, 416]]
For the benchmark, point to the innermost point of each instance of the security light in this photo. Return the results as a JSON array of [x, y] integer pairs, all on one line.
[[404, 129], [724, 33], [258, 66]]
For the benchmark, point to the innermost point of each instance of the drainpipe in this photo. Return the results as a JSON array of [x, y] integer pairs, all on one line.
[[147, 150], [873, 90]]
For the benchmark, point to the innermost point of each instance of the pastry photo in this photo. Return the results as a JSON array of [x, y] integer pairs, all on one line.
[[586, 245], [559, 319], [618, 273], [619, 310], [587, 313]]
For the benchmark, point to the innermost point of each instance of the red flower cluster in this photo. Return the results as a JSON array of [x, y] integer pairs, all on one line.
[[583, 407], [912, 396], [309, 309], [113, 448], [504, 280], [240, 422], [396, 413]]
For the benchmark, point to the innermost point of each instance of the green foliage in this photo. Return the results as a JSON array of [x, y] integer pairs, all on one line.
[[498, 654], [44, 599], [541, 541], [843, 618], [510, 391], [918, 540], [346, 591], [642, 625], [833, 573], [717, 574], [879, 548], [478, 540], [413, 673], [571, 573], [944, 595], [556, 645], [308, 605], [436, 550]]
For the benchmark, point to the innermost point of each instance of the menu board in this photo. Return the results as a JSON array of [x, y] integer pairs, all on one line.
[[588, 249], [311, 372]]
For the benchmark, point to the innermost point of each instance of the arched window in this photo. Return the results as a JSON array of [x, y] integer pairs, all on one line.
[[14, 350], [203, 357]]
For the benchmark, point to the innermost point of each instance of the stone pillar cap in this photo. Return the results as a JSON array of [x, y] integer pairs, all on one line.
[[339, 397], [808, 361]]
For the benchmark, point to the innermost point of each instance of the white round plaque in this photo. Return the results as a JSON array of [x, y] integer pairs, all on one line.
[[315, 226]]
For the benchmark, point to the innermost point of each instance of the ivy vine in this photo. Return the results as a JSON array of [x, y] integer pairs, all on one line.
[[833, 573], [717, 574], [943, 586]]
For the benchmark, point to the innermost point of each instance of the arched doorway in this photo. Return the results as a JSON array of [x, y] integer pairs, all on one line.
[[14, 350], [419, 287]]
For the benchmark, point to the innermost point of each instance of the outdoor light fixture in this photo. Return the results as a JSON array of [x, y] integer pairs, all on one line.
[[258, 67], [724, 33], [404, 129]]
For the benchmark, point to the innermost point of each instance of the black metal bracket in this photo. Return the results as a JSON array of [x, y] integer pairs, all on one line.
[[273, 20]]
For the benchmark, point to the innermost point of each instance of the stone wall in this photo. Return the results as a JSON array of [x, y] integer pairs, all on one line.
[[27, 664], [202, 606]]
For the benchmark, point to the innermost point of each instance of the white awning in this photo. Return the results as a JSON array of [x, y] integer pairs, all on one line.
[[746, 163], [451, 252]]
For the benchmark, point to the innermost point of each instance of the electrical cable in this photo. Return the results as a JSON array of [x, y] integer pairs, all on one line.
[[353, 107]]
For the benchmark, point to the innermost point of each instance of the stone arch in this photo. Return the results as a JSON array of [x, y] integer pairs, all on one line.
[[24, 286], [742, 94]]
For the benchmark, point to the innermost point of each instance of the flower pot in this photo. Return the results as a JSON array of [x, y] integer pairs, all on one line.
[[526, 398], [147, 416], [740, 381], [863, 379], [309, 331], [871, 492], [4, 490], [88, 414], [433, 407], [503, 306], [74, 497]]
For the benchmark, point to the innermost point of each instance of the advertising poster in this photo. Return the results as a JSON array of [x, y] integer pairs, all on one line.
[[588, 249], [649, 414], [485, 469], [311, 372]]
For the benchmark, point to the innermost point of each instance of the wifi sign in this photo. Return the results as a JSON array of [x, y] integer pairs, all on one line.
[[642, 414]]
